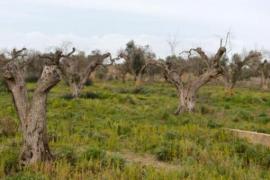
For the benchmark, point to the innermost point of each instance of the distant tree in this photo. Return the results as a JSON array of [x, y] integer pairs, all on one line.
[[233, 70], [32, 113], [34, 66], [135, 58], [78, 68]]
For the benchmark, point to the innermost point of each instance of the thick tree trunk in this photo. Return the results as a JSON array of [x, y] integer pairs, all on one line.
[[187, 100], [187, 93], [75, 89], [32, 117], [35, 146], [138, 80], [229, 88], [264, 81], [123, 77]]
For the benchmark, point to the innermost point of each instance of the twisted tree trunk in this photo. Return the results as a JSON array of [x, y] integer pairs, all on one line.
[[187, 93], [32, 115], [187, 100]]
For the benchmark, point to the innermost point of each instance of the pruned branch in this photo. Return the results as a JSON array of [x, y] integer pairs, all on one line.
[[200, 52], [55, 57]]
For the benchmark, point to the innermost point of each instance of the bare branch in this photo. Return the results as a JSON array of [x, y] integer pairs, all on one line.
[[15, 54], [69, 54]]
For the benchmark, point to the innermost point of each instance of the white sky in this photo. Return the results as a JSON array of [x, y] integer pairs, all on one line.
[[109, 24]]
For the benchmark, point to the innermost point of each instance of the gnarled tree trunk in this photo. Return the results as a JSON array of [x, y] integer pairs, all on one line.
[[32, 115], [187, 100], [187, 93]]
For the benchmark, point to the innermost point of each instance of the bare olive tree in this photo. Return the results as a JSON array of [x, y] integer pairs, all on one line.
[[233, 70], [32, 112], [187, 90], [77, 69]]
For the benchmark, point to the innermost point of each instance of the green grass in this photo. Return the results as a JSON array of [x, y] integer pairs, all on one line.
[[116, 117]]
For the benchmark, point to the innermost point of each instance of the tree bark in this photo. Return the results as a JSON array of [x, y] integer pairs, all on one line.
[[75, 89], [229, 88], [187, 100]]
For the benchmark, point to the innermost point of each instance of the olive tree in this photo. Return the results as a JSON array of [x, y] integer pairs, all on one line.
[[78, 68], [32, 112], [234, 69], [135, 58], [187, 89]]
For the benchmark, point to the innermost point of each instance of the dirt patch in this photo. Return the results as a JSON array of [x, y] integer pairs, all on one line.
[[147, 160], [253, 137]]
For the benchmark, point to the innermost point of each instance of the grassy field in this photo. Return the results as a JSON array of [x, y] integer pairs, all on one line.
[[103, 134]]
